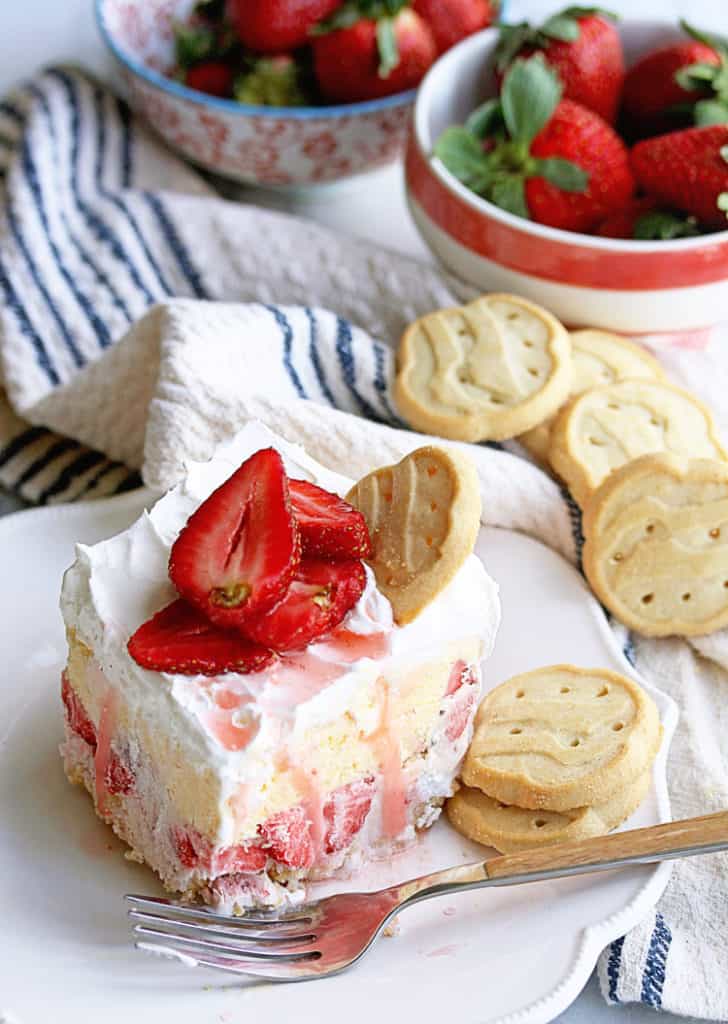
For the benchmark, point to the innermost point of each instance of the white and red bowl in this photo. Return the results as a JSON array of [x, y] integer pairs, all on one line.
[[274, 146], [634, 287]]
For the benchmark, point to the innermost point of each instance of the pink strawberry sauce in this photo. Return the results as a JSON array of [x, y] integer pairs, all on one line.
[[112, 775], [386, 744], [293, 679]]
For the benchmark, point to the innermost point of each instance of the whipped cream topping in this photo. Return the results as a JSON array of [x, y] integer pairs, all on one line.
[[236, 722]]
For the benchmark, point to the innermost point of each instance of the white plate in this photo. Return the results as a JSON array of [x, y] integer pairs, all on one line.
[[520, 954]]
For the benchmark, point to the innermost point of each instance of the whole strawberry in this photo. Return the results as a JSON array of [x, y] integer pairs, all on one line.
[[276, 26], [687, 170], [453, 20], [371, 48], [538, 156], [643, 220], [212, 77], [688, 79], [582, 46]]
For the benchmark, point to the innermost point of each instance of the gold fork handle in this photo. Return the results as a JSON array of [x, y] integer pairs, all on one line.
[[707, 834], [637, 846]]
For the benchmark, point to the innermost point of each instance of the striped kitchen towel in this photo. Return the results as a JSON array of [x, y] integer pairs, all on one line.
[[113, 359]]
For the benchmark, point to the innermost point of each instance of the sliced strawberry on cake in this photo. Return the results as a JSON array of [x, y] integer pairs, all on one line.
[[180, 639], [238, 552], [329, 526], [315, 603]]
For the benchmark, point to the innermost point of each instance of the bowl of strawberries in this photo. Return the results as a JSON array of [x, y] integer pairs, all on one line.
[[283, 92], [583, 163]]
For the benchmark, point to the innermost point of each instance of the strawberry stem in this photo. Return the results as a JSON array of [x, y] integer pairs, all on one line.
[[231, 596]]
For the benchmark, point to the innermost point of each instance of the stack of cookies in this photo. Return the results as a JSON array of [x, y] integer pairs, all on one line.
[[599, 412], [559, 754]]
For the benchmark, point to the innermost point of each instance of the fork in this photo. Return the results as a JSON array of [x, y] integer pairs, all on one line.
[[322, 938]]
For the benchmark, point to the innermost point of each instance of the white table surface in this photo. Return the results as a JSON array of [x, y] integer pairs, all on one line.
[[38, 32]]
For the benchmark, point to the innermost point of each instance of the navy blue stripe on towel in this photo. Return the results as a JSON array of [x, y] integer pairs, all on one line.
[[126, 174], [86, 460], [127, 136], [177, 246], [315, 357], [30, 263], [97, 324], [287, 330], [653, 977], [26, 326], [24, 440], [12, 112], [83, 253], [345, 352], [99, 227], [575, 517], [381, 384], [613, 965], [54, 452]]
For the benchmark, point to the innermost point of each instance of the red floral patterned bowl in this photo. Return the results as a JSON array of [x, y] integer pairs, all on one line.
[[635, 287], [277, 146]]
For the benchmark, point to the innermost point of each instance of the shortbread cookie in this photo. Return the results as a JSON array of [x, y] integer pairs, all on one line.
[[606, 427], [598, 358], [423, 516], [486, 371], [511, 829], [656, 551], [562, 737]]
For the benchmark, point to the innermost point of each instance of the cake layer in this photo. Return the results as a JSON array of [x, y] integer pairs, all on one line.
[[314, 832]]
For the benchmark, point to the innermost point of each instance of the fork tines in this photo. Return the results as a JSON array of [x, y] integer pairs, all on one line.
[[200, 936]]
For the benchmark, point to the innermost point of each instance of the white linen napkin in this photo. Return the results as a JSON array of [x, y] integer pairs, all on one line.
[[89, 244]]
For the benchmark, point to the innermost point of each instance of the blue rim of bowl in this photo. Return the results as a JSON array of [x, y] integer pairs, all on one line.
[[158, 80]]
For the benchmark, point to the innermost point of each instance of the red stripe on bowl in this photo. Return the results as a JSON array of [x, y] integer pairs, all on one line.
[[588, 266]]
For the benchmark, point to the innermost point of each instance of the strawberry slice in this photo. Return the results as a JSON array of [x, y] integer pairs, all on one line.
[[78, 720], [345, 813], [239, 550], [181, 640], [330, 527], [318, 599], [287, 838]]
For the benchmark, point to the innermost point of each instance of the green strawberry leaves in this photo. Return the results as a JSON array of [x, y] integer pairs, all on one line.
[[193, 45], [463, 155], [716, 42], [511, 40], [562, 27], [722, 201], [509, 192], [531, 92], [707, 112], [491, 155], [562, 173], [486, 120], [662, 226], [708, 78]]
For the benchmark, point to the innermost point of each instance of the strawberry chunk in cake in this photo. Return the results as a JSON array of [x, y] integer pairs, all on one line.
[[238, 700]]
